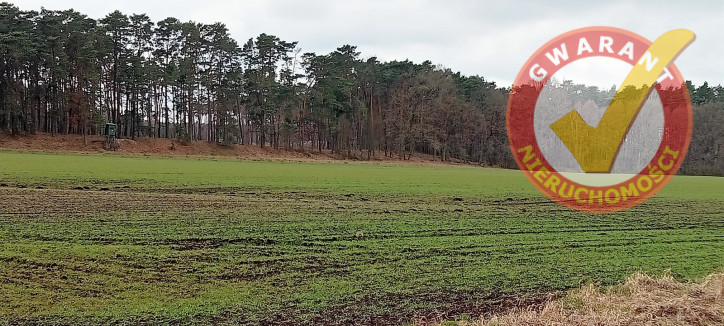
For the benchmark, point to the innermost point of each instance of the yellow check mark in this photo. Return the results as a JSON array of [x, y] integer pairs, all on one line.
[[596, 148]]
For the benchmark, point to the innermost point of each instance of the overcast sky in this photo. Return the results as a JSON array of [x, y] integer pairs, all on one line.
[[491, 39]]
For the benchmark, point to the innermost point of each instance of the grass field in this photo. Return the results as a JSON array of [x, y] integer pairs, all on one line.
[[99, 238]]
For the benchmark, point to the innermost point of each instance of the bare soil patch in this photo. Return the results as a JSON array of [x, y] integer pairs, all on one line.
[[147, 146], [44, 142]]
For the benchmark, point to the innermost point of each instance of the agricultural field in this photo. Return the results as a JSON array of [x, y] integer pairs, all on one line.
[[98, 239]]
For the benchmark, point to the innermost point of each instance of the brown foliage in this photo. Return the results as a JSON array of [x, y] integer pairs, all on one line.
[[641, 300]]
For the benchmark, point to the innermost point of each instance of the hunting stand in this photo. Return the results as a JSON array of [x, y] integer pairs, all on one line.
[[110, 143]]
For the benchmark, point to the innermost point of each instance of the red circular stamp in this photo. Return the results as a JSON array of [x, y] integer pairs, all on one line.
[[595, 150]]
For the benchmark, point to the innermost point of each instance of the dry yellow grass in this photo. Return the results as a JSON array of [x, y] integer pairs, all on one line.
[[641, 300]]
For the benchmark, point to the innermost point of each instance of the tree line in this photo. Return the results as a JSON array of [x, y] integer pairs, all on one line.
[[706, 152], [63, 72]]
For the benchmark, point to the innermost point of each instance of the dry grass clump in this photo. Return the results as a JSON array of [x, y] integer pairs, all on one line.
[[641, 300]]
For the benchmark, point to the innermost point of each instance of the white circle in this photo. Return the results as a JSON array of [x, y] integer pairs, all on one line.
[[563, 94]]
